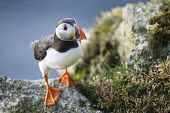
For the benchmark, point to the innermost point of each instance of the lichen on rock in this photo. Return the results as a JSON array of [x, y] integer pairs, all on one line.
[[137, 17], [27, 96]]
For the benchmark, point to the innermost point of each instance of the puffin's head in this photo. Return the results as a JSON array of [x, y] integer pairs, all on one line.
[[68, 30]]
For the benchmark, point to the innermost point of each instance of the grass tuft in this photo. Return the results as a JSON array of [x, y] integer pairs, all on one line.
[[116, 90]]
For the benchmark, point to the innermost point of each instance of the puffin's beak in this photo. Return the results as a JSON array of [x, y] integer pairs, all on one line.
[[82, 34]]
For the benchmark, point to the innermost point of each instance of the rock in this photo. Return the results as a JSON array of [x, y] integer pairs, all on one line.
[[135, 35], [27, 96], [140, 56]]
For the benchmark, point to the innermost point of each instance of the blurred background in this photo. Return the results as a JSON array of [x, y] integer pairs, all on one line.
[[24, 21]]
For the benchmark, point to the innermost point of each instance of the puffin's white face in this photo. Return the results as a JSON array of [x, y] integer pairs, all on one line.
[[65, 32]]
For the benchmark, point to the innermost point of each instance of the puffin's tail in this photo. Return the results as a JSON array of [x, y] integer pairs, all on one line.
[[33, 43]]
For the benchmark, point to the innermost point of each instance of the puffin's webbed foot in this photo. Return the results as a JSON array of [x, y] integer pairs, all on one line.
[[52, 94], [67, 79]]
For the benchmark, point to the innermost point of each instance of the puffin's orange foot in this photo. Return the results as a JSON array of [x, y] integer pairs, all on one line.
[[67, 80], [52, 96]]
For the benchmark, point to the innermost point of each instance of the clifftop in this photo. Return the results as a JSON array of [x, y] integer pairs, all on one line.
[[27, 96], [137, 35]]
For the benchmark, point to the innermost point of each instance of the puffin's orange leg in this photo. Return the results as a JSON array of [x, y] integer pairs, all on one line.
[[67, 79], [52, 94]]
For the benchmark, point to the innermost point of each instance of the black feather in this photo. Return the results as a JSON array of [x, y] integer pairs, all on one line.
[[63, 46], [52, 41], [39, 53]]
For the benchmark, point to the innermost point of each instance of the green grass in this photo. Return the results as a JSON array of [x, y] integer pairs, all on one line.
[[118, 91]]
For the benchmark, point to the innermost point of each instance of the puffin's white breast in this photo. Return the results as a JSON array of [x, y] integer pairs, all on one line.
[[58, 60]]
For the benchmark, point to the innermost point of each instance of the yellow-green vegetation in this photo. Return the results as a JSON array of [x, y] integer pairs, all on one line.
[[159, 32], [118, 91], [166, 6], [101, 47], [109, 85]]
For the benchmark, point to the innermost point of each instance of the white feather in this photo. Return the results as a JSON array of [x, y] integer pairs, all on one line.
[[57, 60], [65, 34]]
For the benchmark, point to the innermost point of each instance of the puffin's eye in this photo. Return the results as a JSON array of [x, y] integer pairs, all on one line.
[[65, 27]]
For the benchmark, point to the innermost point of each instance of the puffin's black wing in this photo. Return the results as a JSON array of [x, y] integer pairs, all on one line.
[[39, 53], [41, 46]]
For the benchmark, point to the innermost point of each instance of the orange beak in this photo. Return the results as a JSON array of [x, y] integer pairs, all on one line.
[[82, 34]]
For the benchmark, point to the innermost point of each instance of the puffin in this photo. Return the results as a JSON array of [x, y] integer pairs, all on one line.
[[59, 51]]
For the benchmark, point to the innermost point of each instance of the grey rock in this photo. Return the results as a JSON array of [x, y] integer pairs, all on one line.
[[27, 96], [133, 37]]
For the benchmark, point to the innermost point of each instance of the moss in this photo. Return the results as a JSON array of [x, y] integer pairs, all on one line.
[[82, 103], [162, 19], [159, 33], [101, 46], [89, 92], [140, 93], [166, 6], [81, 75]]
